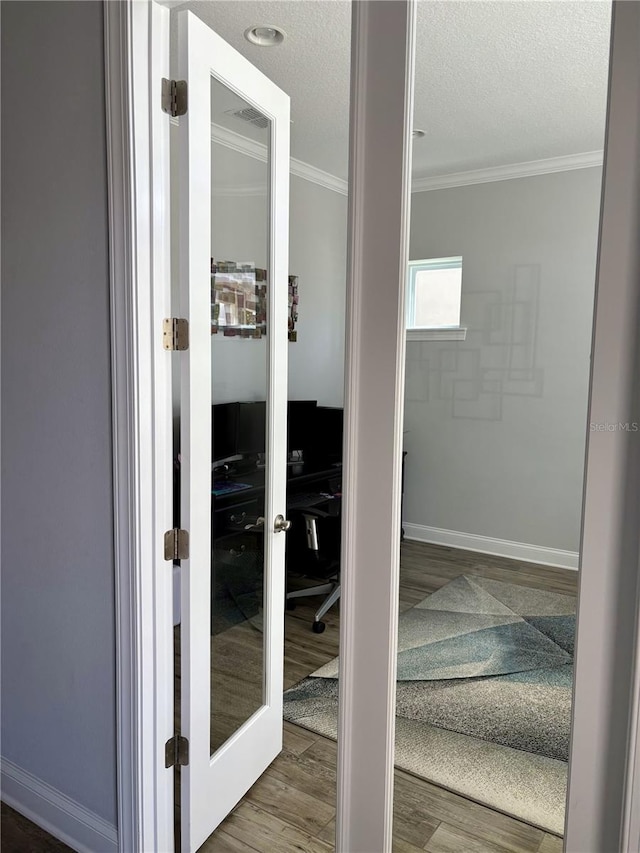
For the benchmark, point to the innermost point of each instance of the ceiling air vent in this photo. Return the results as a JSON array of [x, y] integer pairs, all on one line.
[[250, 115]]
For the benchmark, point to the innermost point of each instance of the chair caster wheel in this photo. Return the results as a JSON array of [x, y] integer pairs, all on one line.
[[291, 604], [318, 627]]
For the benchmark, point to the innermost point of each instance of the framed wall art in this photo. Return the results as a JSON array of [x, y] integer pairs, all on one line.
[[239, 301]]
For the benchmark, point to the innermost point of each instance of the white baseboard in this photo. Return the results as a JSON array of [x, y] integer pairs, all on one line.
[[59, 815], [487, 545]]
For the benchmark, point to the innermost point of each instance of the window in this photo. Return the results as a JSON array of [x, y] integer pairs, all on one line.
[[434, 294]]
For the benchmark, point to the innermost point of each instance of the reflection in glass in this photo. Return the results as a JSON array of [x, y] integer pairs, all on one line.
[[239, 263], [496, 423]]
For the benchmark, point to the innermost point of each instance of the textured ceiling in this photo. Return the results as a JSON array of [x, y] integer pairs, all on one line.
[[496, 82]]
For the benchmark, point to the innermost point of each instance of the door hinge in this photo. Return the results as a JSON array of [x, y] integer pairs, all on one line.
[[174, 97], [175, 334], [176, 544], [176, 751]]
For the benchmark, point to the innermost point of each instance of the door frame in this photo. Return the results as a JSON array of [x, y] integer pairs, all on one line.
[[137, 139], [136, 60]]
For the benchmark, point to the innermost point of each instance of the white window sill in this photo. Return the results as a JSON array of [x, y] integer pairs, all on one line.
[[448, 333]]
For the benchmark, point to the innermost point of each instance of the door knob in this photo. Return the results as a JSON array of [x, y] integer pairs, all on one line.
[[281, 523]]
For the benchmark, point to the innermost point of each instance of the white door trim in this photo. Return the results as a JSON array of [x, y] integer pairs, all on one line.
[[136, 58], [381, 118]]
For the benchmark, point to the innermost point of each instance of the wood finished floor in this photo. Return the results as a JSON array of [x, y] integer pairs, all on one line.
[[19, 835], [292, 807]]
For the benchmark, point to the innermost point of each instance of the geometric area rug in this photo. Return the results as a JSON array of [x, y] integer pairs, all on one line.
[[483, 702]]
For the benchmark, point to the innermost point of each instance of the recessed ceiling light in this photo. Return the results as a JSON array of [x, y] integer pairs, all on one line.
[[265, 35], [417, 134]]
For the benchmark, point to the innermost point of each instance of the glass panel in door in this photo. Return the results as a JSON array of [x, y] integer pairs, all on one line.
[[239, 280], [507, 177]]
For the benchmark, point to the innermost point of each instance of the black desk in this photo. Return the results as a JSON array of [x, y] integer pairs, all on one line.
[[237, 543], [231, 512]]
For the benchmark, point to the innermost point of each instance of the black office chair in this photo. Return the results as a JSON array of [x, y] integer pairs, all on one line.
[[315, 550]]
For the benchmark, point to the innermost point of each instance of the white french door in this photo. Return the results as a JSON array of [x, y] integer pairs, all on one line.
[[232, 272]]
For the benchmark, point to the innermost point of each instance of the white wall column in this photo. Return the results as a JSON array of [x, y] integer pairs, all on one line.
[[381, 112]]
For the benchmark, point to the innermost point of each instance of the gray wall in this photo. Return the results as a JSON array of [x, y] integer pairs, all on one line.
[[318, 256], [58, 644], [318, 253], [496, 424]]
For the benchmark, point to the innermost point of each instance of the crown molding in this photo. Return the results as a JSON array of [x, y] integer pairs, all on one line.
[[238, 142], [257, 150], [247, 191], [586, 160], [317, 176]]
